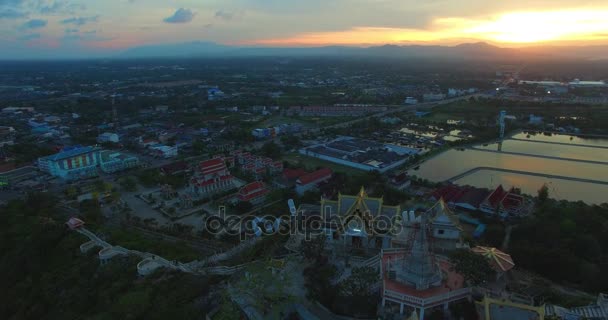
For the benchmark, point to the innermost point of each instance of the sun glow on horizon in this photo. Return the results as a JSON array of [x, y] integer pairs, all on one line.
[[507, 28], [527, 27]]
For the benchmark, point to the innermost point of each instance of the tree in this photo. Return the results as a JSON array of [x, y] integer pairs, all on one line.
[[473, 267], [243, 207], [129, 184], [359, 282], [271, 150], [355, 294], [313, 249], [543, 194]]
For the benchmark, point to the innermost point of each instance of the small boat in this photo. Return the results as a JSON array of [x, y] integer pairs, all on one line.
[[417, 167]]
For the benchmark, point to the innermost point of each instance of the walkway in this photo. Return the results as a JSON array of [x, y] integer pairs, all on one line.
[[539, 156], [560, 143], [536, 174], [152, 261]]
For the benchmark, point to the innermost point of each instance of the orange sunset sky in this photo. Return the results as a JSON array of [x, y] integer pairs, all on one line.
[[89, 28]]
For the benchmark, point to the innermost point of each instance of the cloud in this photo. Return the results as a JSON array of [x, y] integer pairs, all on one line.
[[181, 16], [80, 21], [224, 15], [10, 13], [58, 7], [29, 37], [34, 24]]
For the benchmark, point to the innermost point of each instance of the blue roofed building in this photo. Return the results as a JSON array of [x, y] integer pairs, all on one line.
[[71, 163]]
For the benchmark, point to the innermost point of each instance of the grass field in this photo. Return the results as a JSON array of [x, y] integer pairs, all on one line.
[[312, 163]]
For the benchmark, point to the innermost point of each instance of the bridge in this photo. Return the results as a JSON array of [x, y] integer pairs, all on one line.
[[529, 173]]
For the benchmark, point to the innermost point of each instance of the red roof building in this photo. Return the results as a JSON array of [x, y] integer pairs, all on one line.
[[505, 203], [293, 174], [212, 176], [311, 180], [254, 192]]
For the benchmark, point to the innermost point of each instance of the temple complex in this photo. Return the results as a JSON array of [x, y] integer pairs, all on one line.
[[367, 223]]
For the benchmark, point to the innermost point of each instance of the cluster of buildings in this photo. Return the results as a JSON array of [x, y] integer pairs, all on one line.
[[361, 154], [500, 202], [355, 110], [268, 133], [80, 162], [213, 176], [214, 94], [7, 136], [258, 166], [159, 150]]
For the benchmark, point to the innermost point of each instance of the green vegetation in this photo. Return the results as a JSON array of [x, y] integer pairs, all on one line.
[[485, 111], [475, 268], [26, 153], [565, 242], [128, 183], [135, 241], [44, 275], [351, 296], [354, 294], [152, 177], [265, 248], [311, 163]]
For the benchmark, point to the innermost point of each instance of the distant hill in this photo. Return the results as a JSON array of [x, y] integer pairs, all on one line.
[[473, 51]]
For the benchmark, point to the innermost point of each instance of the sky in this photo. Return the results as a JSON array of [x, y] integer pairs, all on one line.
[[94, 28]]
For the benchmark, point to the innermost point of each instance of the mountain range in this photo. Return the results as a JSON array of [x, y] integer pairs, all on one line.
[[479, 50]]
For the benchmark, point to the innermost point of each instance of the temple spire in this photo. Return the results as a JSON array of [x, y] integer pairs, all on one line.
[[419, 268]]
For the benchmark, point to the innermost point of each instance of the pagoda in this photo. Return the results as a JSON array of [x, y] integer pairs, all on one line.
[[416, 278]]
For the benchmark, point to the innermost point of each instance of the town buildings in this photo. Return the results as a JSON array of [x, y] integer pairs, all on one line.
[[333, 111], [257, 166], [163, 151], [108, 137], [78, 162], [7, 136], [111, 161]]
